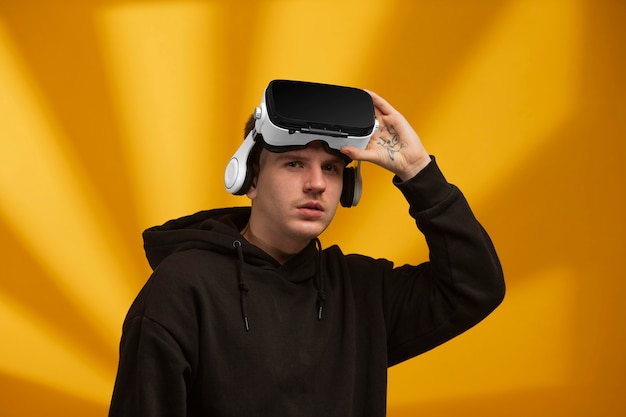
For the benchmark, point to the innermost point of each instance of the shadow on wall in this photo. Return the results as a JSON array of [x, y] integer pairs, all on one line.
[[21, 398], [566, 210], [558, 214]]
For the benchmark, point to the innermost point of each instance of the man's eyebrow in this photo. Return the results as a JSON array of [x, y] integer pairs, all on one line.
[[289, 155], [334, 159]]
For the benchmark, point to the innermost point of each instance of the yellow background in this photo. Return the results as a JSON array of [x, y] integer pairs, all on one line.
[[119, 115]]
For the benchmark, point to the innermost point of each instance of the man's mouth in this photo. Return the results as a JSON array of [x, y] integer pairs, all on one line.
[[311, 210], [312, 205]]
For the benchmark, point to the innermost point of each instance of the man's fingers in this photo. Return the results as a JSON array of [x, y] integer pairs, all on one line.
[[352, 152], [381, 104]]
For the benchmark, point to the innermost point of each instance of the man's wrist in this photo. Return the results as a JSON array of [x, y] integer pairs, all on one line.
[[414, 169], [426, 189]]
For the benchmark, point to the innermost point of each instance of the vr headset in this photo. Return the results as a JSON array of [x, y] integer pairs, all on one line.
[[294, 113]]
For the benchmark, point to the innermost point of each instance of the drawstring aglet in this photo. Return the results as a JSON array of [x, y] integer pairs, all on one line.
[[319, 313], [243, 288]]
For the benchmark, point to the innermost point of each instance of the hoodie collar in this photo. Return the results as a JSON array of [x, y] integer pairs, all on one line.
[[218, 231]]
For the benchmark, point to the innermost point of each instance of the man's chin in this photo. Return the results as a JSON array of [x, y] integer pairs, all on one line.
[[309, 229]]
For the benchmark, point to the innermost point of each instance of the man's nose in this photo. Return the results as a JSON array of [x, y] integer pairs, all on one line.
[[315, 180]]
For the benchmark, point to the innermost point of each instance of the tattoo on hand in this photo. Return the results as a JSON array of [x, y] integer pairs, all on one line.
[[393, 144]]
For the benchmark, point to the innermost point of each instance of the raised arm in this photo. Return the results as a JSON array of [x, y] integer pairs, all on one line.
[[429, 304]]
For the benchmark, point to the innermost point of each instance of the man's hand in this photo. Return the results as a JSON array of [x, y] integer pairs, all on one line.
[[394, 146]]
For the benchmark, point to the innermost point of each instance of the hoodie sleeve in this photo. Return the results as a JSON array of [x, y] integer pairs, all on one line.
[[463, 282], [151, 375]]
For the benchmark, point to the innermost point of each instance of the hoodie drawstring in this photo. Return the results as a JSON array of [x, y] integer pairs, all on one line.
[[319, 282], [243, 287], [319, 277]]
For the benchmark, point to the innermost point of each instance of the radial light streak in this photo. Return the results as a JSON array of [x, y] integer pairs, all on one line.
[[46, 200], [533, 69], [514, 44], [329, 55], [32, 351], [160, 58]]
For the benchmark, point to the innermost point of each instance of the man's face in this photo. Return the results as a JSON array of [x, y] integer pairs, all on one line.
[[296, 194]]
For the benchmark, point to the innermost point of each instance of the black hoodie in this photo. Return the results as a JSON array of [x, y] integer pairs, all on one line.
[[222, 329]]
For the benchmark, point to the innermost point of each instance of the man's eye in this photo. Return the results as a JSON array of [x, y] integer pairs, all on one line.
[[293, 164]]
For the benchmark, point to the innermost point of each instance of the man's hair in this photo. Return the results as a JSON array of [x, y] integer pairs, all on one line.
[[249, 125], [255, 152]]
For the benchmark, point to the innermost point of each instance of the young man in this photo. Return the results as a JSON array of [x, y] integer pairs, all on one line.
[[246, 315]]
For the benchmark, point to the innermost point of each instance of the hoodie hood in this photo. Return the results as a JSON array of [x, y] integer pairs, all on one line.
[[218, 231], [213, 230]]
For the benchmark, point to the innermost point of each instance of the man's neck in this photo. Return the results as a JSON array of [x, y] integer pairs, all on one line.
[[280, 253]]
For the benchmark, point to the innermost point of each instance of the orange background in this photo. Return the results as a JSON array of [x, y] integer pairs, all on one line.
[[118, 115]]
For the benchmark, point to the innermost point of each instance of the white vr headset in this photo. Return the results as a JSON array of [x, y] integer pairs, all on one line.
[[292, 114]]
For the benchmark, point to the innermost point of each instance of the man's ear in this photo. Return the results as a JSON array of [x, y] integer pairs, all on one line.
[[255, 169], [252, 191]]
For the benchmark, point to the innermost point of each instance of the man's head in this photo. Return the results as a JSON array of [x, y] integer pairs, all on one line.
[[295, 193], [291, 115]]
